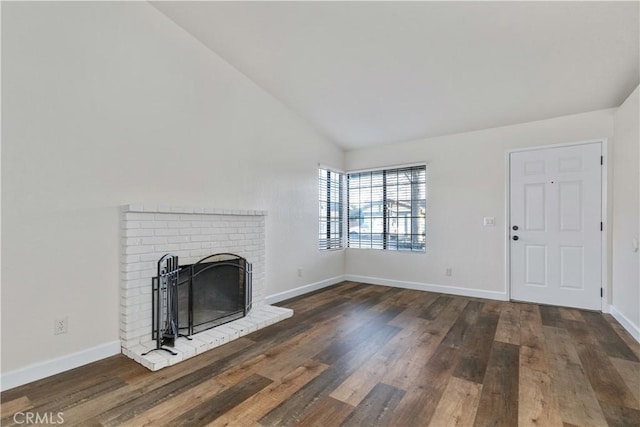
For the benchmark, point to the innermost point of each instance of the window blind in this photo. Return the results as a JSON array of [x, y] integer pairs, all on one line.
[[331, 214], [387, 209]]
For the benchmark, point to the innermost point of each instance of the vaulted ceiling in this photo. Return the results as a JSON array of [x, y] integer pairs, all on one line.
[[371, 73]]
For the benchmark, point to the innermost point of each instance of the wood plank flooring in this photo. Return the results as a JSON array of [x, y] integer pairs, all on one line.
[[363, 355]]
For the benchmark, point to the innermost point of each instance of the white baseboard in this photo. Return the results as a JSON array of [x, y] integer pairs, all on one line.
[[281, 296], [633, 329], [47, 368], [453, 290]]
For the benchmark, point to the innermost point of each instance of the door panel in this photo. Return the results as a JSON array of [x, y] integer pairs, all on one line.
[[570, 202], [536, 265], [534, 207], [571, 267], [555, 204]]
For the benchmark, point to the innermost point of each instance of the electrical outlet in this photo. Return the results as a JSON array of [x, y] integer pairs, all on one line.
[[60, 326], [299, 271], [448, 272]]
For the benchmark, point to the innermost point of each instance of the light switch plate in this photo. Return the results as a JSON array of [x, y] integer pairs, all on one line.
[[489, 221]]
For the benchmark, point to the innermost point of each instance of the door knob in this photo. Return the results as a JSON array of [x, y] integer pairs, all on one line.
[[515, 237], [515, 227]]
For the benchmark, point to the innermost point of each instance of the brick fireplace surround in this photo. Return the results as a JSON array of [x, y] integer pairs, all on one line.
[[147, 233]]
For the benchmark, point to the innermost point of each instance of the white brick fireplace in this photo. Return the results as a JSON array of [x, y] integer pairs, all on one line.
[[149, 232]]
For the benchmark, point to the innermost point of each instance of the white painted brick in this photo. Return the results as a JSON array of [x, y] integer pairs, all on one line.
[[136, 300], [160, 250], [166, 217], [138, 232], [198, 345], [179, 239], [200, 253], [179, 224], [232, 332], [131, 208], [212, 339], [191, 217], [189, 246], [153, 224], [166, 231], [131, 224], [181, 210], [151, 256], [247, 324], [129, 284], [135, 329], [134, 333], [149, 274], [137, 266], [219, 334], [129, 343], [153, 362], [138, 350], [137, 216], [210, 231], [155, 240], [140, 249], [131, 275], [138, 315], [182, 346], [189, 231], [135, 325], [131, 292], [129, 258]]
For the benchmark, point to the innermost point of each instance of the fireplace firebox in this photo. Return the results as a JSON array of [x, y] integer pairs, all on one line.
[[188, 299]]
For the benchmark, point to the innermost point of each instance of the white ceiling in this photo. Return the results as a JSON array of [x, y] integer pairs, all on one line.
[[370, 73]]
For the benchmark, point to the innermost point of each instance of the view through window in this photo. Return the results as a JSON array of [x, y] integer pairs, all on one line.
[[387, 209]]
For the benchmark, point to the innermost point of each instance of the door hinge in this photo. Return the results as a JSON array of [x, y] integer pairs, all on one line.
[[601, 226], [601, 293], [602, 160]]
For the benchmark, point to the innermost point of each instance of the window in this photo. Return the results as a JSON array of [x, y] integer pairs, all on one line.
[[387, 209], [331, 186]]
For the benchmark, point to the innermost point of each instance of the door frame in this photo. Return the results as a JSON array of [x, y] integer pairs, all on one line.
[[604, 301]]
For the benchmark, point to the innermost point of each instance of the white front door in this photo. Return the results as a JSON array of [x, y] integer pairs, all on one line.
[[555, 225]]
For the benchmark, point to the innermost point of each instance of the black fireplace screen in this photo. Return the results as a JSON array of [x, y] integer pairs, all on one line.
[[209, 293]]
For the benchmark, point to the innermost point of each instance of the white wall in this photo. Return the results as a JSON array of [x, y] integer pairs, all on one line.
[[626, 214], [110, 103], [465, 182]]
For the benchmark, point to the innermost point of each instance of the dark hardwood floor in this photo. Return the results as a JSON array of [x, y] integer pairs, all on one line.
[[364, 355]]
